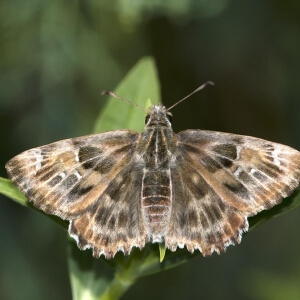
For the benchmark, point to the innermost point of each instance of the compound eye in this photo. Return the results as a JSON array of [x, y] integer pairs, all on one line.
[[147, 119]]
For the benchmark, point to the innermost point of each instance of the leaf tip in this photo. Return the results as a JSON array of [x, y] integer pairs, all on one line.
[[162, 252], [148, 103]]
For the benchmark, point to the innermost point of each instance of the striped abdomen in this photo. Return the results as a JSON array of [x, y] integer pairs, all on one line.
[[156, 202]]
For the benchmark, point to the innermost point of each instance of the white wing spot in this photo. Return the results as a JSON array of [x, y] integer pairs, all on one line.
[[76, 156], [72, 235], [238, 151], [195, 179], [275, 157], [39, 158], [62, 175], [238, 171], [77, 174]]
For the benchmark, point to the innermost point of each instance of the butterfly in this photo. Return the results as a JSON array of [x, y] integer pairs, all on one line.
[[122, 189]]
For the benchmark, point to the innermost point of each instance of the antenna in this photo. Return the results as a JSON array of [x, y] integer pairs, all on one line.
[[112, 94], [201, 87]]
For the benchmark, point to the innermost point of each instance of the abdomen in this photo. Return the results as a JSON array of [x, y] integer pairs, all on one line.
[[156, 202]]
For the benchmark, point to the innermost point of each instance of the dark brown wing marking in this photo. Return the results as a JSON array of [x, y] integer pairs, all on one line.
[[114, 222], [200, 218], [221, 180], [67, 177], [248, 173]]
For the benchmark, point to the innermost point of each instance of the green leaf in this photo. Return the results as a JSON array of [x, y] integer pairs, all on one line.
[[89, 277], [162, 251], [8, 189], [140, 84]]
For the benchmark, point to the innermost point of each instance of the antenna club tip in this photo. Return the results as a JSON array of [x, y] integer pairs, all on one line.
[[201, 87], [105, 92]]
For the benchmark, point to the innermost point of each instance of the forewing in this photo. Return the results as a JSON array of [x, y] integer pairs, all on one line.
[[248, 173], [65, 178], [114, 223]]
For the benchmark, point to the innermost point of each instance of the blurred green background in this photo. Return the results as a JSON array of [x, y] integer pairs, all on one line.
[[57, 56]]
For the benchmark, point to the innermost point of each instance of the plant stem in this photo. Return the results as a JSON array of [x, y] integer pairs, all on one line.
[[121, 283]]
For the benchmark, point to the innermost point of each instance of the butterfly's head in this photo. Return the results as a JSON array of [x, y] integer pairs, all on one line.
[[158, 115]]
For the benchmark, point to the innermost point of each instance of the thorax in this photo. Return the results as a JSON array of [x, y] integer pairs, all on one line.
[[157, 147]]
